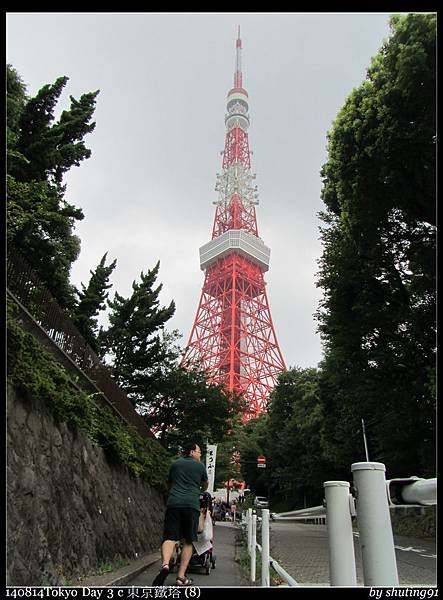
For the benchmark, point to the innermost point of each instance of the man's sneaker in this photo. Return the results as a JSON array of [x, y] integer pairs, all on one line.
[[160, 579]]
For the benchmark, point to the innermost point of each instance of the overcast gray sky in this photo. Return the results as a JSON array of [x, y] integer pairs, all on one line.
[[148, 188]]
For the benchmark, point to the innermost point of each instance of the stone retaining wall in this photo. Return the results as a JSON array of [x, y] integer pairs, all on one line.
[[69, 511]]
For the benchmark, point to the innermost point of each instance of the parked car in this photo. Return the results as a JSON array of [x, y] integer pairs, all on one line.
[[261, 502]]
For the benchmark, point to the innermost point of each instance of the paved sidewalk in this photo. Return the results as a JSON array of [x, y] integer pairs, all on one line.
[[141, 572], [227, 572]]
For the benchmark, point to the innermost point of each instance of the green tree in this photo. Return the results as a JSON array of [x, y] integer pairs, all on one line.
[[50, 148], [185, 407], [40, 227], [91, 300], [229, 458], [178, 404], [40, 223], [377, 318], [255, 442], [133, 340], [298, 463], [15, 103]]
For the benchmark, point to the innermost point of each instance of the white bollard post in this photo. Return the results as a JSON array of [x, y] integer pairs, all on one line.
[[249, 521], [265, 547], [341, 542], [253, 546], [374, 524]]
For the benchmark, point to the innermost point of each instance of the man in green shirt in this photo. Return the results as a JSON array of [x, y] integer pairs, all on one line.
[[187, 479]]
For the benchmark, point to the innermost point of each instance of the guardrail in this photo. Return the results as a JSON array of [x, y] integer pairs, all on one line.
[[267, 561], [374, 497], [317, 514]]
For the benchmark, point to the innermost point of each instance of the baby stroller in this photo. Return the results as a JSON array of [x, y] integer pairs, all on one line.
[[202, 556]]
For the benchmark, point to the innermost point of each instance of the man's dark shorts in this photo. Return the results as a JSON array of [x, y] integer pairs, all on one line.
[[181, 523]]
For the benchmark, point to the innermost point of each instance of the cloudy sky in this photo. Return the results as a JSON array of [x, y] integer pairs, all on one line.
[[148, 188]]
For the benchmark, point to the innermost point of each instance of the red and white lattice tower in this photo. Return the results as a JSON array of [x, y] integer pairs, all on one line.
[[233, 336]]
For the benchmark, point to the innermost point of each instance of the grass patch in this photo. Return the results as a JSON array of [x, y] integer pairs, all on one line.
[[244, 561], [418, 522], [414, 522]]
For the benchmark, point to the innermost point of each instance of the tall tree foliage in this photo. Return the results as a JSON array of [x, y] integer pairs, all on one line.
[[297, 460], [229, 458], [255, 442], [91, 300], [51, 148], [40, 223], [40, 227], [133, 340], [177, 404], [15, 103], [377, 318], [291, 437], [185, 407]]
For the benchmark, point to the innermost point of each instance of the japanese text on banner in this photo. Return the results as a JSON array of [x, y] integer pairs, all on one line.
[[211, 453]]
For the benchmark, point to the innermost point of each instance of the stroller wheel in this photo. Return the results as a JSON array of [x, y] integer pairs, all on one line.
[[175, 559], [207, 564]]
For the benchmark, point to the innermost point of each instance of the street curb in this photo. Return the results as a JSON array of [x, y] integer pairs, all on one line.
[[121, 576]]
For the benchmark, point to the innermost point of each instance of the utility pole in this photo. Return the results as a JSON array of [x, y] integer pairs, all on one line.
[[364, 439]]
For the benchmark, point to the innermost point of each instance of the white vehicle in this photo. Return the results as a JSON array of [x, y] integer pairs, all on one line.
[[261, 502]]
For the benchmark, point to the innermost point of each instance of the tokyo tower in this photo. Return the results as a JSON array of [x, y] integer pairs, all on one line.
[[233, 336]]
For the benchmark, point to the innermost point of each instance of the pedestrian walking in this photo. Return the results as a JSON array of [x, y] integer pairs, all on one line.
[[187, 479], [233, 511]]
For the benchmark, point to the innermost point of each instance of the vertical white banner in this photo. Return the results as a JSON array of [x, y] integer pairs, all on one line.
[[211, 454]]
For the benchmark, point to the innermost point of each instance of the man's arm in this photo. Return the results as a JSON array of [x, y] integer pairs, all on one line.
[[204, 485]]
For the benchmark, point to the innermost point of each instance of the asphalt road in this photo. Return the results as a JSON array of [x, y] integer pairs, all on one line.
[[302, 550]]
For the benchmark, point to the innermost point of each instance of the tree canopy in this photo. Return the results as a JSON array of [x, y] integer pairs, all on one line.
[[133, 340], [143, 356], [39, 152], [178, 404], [377, 318], [50, 149], [291, 437], [91, 301]]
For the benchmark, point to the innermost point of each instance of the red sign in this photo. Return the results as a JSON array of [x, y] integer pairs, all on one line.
[[261, 460]]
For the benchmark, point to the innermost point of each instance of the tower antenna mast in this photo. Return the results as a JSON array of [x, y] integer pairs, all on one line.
[[233, 336]]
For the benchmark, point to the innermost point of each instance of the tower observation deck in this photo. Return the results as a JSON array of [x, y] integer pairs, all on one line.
[[233, 335]]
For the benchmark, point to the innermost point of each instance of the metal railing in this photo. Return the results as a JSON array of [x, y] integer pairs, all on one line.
[[317, 514], [31, 295], [267, 561], [375, 498]]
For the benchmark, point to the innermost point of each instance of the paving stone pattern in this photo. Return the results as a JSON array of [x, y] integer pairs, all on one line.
[[302, 550]]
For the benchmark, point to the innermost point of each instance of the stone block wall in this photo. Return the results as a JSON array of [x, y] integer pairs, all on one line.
[[69, 510]]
